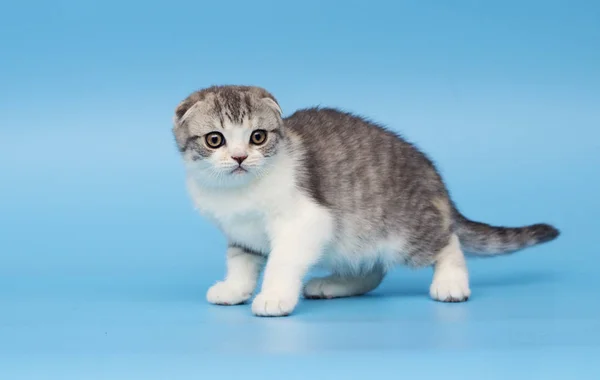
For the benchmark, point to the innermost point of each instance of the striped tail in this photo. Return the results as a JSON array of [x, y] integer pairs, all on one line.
[[481, 239]]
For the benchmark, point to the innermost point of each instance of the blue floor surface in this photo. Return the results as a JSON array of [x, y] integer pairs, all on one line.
[[104, 264]]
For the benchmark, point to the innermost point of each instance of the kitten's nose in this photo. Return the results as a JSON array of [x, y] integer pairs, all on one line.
[[239, 159]]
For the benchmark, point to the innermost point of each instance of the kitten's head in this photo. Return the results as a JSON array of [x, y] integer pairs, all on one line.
[[228, 135]]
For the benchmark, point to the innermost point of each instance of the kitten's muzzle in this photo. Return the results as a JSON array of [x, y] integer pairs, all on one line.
[[239, 159]]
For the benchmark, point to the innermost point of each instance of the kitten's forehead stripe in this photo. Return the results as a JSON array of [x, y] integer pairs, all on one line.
[[219, 111], [233, 102], [248, 104]]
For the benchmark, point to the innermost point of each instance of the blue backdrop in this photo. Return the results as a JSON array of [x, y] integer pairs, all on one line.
[[104, 264]]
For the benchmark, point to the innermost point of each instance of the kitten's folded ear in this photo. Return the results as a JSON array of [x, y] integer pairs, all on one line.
[[272, 103], [179, 131], [183, 107]]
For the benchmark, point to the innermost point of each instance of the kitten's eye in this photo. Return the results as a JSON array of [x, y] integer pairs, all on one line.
[[258, 137], [214, 140]]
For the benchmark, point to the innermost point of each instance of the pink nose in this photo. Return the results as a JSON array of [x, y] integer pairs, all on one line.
[[239, 159]]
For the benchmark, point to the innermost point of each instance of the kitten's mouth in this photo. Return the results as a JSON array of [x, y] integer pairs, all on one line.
[[239, 170]]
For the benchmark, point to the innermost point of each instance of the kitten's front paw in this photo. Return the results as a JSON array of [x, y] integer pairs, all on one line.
[[222, 293], [273, 305], [450, 289]]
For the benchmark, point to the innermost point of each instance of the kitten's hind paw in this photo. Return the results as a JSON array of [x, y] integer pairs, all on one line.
[[450, 290], [335, 286], [320, 288]]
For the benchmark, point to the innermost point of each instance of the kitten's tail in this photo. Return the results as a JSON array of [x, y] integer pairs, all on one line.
[[481, 239]]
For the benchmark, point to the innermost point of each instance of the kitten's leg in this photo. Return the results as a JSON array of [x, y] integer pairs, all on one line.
[[337, 285], [243, 269], [450, 277], [296, 244]]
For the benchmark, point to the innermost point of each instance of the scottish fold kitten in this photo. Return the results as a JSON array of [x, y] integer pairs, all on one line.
[[323, 188]]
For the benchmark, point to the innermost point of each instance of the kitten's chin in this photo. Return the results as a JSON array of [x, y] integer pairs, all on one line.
[[228, 179], [239, 171]]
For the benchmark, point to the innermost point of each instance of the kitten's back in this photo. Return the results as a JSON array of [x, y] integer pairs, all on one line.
[[358, 163]]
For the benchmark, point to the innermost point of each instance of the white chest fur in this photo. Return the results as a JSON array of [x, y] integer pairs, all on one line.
[[245, 214], [238, 214], [247, 229]]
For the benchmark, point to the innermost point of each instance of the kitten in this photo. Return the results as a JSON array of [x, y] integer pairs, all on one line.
[[323, 188]]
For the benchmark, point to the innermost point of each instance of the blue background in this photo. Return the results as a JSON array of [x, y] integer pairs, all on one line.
[[104, 265]]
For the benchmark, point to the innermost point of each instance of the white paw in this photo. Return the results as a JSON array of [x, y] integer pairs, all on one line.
[[273, 305], [318, 288], [450, 289], [223, 293]]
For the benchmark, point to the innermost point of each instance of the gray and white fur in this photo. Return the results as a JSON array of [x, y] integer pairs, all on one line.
[[323, 188]]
